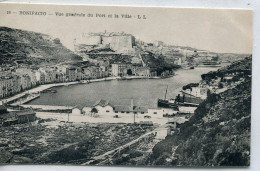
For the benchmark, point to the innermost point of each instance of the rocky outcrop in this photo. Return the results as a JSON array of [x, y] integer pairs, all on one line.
[[219, 132]]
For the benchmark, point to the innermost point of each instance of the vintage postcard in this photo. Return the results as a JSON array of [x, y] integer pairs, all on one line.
[[131, 86]]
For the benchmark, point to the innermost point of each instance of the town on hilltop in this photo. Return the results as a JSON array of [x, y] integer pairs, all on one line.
[[31, 59]]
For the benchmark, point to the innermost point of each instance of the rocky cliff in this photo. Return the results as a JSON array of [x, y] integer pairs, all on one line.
[[27, 47], [219, 132]]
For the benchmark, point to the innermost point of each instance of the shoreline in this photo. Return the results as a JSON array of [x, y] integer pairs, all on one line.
[[43, 87]]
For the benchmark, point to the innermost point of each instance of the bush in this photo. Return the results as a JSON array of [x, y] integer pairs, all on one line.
[[135, 154], [56, 41]]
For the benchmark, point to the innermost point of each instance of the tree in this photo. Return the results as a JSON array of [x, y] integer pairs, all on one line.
[[94, 111], [56, 41], [220, 85]]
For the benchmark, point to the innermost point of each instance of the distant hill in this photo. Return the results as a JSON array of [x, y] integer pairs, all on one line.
[[24, 46]]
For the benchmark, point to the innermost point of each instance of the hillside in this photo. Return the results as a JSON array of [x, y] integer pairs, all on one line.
[[31, 48], [219, 132]]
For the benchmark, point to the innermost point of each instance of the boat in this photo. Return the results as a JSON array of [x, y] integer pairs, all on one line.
[[168, 76], [188, 67], [188, 100], [53, 91], [49, 90], [165, 103]]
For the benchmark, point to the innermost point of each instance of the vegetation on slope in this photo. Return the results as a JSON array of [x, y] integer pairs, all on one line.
[[217, 135], [20, 45], [158, 63]]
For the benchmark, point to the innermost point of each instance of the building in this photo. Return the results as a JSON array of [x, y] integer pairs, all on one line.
[[87, 73], [94, 72], [118, 69], [131, 109], [7, 86], [77, 110], [30, 73], [103, 106], [143, 71], [122, 43], [17, 117], [89, 39], [50, 76], [71, 74], [80, 75], [60, 77], [25, 116], [16, 84], [42, 77], [136, 60], [158, 43], [119, 42], [86, 110], [25, 82]]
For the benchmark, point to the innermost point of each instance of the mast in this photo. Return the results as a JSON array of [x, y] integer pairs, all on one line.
[[68, 115], [165, 93]]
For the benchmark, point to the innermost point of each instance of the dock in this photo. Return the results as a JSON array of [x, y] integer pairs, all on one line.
[[26, 99]]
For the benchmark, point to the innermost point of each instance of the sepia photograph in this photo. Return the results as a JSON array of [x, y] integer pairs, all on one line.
[[125, 86]]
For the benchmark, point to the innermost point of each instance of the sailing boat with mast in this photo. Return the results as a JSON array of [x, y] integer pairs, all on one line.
[[165, 103]]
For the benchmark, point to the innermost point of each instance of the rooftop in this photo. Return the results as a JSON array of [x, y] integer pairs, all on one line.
[[178, 120], [24, 112], [2, 107], [102, 103]]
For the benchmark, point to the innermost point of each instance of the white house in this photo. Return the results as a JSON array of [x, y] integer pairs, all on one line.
[[86, 110], [103, 107], [77, 110]]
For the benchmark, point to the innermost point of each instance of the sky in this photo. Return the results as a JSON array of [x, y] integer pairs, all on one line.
[[217, 30]]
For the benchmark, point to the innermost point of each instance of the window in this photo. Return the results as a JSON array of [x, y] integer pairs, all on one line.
[[116, 111], [107, 111], [122, 112], [142, 112], [154, 112], [135, 112], [127, 112]]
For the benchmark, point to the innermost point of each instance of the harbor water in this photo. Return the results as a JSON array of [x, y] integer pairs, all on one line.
[[144, 92]]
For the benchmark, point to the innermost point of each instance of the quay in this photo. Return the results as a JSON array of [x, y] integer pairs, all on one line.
[[47, 107], [27, 99]]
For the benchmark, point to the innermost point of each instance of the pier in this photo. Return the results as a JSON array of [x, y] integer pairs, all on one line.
[[27, 99]]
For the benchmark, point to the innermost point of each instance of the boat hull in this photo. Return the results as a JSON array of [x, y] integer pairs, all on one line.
[[167, 104]]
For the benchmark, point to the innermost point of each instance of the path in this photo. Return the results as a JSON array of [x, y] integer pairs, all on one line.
[[104, 156]]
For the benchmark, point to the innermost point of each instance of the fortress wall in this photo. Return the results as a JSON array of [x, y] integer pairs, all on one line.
[[89, 40], [121, 43]]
